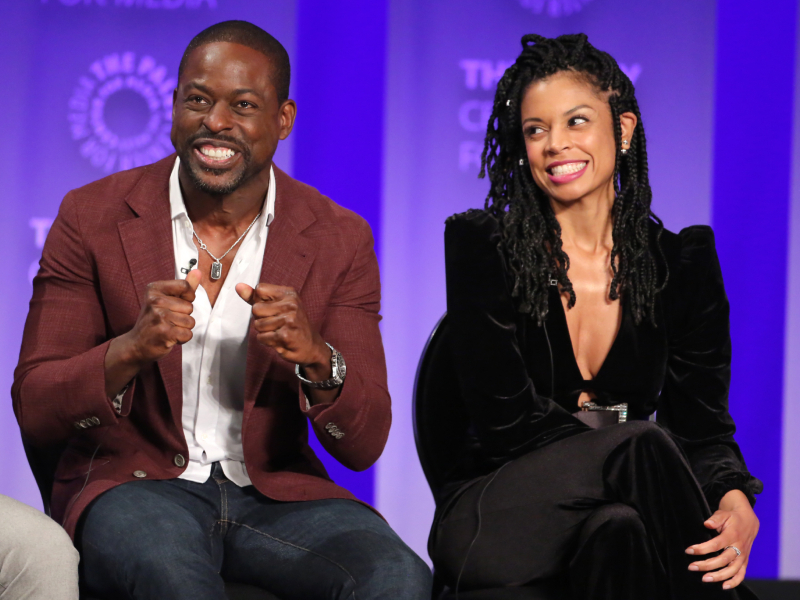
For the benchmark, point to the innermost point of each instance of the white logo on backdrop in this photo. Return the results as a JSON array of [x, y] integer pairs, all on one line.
[[554, 8], [121, 112], [168, 4], [632, 71]]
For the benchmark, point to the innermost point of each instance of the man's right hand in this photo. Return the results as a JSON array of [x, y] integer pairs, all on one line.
[[165, 320]]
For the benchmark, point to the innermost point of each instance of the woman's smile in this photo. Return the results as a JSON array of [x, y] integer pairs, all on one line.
[[564, 171]]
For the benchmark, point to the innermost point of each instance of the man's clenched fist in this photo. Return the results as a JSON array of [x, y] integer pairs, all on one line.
[[165, 320], [282, 323]]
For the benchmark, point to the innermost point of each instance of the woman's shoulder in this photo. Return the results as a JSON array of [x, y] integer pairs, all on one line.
[[472, 232], [472, 218], [690, 252], [693, 273]]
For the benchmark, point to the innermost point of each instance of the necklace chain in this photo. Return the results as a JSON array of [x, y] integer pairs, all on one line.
[[216, 266]]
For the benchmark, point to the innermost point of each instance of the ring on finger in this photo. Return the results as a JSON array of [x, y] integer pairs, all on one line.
[[735, 549]]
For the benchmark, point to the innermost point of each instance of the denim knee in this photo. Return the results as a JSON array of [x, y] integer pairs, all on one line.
[[397, 572]]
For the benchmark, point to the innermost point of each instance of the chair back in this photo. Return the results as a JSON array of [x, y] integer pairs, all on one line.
[[443, 438], [43, 463], [441, 423]]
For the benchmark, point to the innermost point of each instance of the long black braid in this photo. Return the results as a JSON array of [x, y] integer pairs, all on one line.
[[531, 234]]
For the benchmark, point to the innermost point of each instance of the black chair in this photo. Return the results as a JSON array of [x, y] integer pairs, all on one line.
[[43, 463], [441, 428]]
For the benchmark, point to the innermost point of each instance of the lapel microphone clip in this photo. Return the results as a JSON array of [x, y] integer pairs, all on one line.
[[192, 263]]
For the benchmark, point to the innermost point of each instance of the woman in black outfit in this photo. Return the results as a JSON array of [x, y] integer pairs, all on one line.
[[565, 290]]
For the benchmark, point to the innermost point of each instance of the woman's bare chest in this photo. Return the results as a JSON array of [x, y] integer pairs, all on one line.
[[594, 320]]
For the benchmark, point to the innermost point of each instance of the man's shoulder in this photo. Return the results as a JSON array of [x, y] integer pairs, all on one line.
[[326, 212], [115, 188]]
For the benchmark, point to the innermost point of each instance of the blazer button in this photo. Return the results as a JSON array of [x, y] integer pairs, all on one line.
[[334, 431], [140, 474], [179, 460], [95, 421]]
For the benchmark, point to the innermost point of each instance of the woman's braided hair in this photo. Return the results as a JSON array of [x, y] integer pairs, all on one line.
[[531, 238]]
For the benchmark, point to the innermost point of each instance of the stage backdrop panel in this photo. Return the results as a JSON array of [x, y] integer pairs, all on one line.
[[750, 217], [790, 472], [444, 61], [89, 87]]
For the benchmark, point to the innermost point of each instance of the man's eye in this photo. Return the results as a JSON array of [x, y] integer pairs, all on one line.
[[197, 99], [245, 104]]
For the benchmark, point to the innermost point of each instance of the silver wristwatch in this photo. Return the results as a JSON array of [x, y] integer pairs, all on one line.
[[338, 372]]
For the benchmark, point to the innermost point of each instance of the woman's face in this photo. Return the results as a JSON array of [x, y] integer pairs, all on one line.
[[569, 138]]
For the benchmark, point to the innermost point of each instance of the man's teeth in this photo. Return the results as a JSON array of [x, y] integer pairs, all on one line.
[[219, 153], [568, 168]]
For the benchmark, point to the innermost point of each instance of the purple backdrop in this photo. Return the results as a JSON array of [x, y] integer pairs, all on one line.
[[392, 101], [750, 221]]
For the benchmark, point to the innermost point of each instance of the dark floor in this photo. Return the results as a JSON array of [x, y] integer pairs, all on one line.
[[769, 589]]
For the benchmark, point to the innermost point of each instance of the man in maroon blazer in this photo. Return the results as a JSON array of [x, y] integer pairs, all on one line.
[[188, 318]]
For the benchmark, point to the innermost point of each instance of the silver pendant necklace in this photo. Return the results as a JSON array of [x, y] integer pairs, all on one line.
[[216, 266]]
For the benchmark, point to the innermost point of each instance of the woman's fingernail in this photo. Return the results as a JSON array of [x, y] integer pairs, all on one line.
[[694, 568], [690, 551], [708, 578], [726, 586]]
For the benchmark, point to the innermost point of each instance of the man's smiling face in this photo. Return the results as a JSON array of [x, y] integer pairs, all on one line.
[[227, 117]]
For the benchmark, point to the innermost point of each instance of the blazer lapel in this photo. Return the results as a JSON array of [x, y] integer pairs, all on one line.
[[287, 260], [147, 243]]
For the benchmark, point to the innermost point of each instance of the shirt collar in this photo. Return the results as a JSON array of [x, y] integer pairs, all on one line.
[[178, 207]]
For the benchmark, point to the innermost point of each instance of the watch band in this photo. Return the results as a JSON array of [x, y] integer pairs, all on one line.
[[338, 372]]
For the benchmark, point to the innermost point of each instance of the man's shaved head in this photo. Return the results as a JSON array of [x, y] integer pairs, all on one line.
[[252, 36]]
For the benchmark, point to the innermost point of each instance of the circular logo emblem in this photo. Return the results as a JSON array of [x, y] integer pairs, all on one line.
[[121, 112], [554, 8]]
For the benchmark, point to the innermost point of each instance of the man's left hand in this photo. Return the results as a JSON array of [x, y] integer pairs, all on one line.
[[281, 322]]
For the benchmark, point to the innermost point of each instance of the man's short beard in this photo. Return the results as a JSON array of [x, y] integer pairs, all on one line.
[[212, 189]]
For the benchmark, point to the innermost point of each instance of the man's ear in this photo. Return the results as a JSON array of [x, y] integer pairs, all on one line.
[[288, 112]]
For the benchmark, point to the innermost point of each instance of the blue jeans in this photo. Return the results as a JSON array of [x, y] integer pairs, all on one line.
[[178, 539]]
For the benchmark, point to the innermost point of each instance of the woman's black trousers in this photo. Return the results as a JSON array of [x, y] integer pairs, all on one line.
[[610, 511]]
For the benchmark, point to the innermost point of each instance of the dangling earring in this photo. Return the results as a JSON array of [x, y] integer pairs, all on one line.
[[624, 143]]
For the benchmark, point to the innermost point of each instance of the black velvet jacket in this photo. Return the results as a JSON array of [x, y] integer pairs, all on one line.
[[679, 369]]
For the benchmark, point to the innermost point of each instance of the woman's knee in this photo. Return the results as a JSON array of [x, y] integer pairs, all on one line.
[[57, 545], [35, 552], [649, 434], [615, 557], [613, 523]]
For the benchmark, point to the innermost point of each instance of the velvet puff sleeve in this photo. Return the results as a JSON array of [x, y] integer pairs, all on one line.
[[508, 416], [694, 401]]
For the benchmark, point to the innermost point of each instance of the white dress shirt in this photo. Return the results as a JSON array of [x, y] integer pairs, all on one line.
[[214, 359]]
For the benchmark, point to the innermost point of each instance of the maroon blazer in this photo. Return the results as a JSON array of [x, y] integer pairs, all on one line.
[[113, 237]]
